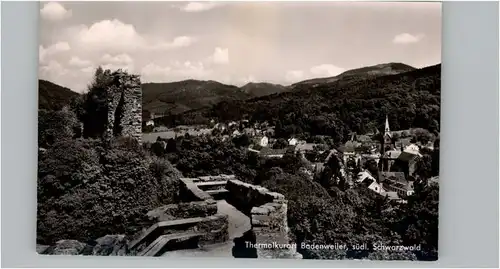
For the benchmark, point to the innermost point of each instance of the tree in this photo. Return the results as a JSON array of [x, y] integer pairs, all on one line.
[[280, 143], [419, 226], [423, 167], [372, 167], [95, 104], [54, 126], [423, 136], [331, 175], [171, 146], [158, 148], [242, 140]]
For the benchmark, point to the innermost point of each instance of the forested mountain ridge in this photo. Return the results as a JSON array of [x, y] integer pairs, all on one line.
[[52, 96], [361, 73], [410, 99], [263, 88], [181, 96]]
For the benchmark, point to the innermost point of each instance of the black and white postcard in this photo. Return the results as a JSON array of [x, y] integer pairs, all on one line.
[[268, 130]]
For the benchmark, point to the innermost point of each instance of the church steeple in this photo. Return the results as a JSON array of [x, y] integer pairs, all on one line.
[[387, 130]]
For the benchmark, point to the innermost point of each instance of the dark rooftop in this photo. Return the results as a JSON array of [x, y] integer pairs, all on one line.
[[270, 151], [397, 176]]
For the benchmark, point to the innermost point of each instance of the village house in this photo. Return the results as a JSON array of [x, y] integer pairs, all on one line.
[[349, 151], [363, 175], [293, 141], [305, 147], [262, 141], [396, 182], [411, 148], [245, 124], [236, 133], [366, 157], [366, 179], [272, 153], [433, 180], [408, 159], [393, 196], [150, 123], [318, 168], [402, 143], [220, 126], [269, 131], [388, 159], [250, 132], [371, 184]]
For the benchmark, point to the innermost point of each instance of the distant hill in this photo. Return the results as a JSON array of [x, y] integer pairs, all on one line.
[[263, 88], [361, 73], [181, 96], [52, 96], [338, 107]]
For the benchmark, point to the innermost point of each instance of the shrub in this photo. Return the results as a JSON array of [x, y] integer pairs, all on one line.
[[56, 125], [86, 190]]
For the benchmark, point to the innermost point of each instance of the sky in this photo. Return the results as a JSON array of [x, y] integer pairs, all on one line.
[[232, 42]]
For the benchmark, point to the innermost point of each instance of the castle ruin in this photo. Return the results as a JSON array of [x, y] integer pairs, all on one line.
[[124, 100]]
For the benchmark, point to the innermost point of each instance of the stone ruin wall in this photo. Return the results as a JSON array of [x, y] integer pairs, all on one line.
[[268, 213], [124, 106]]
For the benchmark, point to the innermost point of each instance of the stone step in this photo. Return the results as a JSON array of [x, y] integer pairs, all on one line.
[[218, 194], [211, 185], [162, 228], [163, 225], [155, 248], [217, 191]]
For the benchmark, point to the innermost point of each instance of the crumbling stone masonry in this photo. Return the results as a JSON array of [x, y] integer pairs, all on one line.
[[266, 209], [268, 213], [124, 106]]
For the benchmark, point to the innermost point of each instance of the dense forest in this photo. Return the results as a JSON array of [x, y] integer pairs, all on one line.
[[412, 99]]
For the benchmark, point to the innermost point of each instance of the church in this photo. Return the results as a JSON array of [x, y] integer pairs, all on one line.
[[405, 154]]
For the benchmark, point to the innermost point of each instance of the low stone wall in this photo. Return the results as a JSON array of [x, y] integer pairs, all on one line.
[[269, 224], [189, 192], [268, 213], [214, 178], [245, 196], [183, 210], [214, 229], [109, 245]]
